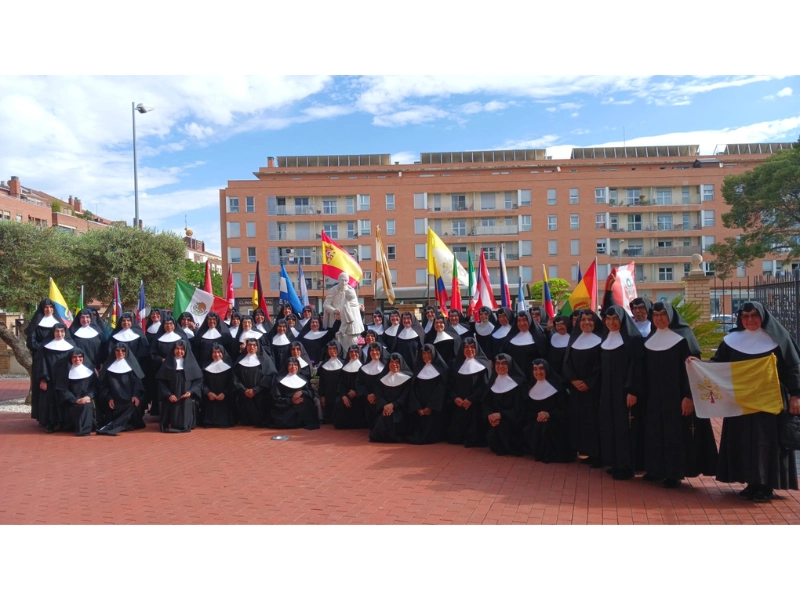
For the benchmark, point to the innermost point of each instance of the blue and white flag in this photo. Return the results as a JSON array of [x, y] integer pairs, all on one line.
[[301, 285], [288, 293]]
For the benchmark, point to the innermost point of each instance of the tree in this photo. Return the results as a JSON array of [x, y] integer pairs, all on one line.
[[196, 275], [559, 291], [707, 334], [765, 205]]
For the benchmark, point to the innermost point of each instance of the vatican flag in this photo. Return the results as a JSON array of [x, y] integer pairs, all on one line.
[[735, 388], [440, 261]]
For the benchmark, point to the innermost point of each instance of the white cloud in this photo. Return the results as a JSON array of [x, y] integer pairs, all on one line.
[[405, 158], [415, 115], [787, 91], [580, 131], [540, 142], [569, 105], [197, 131], [575, 114], [551, 109]]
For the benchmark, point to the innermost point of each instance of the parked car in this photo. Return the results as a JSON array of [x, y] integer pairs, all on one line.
[[726, 322]]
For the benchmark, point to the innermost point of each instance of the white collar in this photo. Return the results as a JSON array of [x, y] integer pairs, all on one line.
[[315, 335], [281, 340], [218, 366], [559, 340], [523, 338], [260, 327], [87, 332], [428, 325], [303, 364], [234, 331], [251, 360], [586, 341], [471, 366], [662, 339], [179, 364], [169, 336], [332, 364], [644, 327], [407, 333], [302, 322], [460, 329], [395, 379], [750, 342], [188, 331], [501, 332], [613, 340], [120, 366], [428, 372], [80, 372], [294, 332], [352, 366], [542, 390], [294, 381], [126, 335], [391, 330], [59, 345], [153, 327], [503, 384], [48, 321], [250, 334], [441, 336], [212, 334], [376, 328], [484, 328], [373, 367]]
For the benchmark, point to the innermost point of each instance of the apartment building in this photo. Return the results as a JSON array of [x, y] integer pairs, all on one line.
[[655, 206]]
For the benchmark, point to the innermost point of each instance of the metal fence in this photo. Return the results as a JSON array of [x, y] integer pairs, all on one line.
[[779, 294]]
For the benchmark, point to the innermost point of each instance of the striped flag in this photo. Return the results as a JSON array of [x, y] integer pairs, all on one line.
[[336, 260], [207, 287], [521, 298], [302, 288], [505, 295], [230, 294], [455, 295], [141, 309], [62, 309], [116, 306], [258, 293], [483, 288], [547, 299], [472, 287], [287, 293], [584, 296]]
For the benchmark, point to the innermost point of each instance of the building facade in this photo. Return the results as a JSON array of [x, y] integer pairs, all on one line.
[[196, 252], [654, 206]]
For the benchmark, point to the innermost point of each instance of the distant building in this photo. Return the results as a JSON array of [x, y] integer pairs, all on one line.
[[196, 251]]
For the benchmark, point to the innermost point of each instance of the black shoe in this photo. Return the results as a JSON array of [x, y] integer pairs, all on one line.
[[762, 495], [595, 463], [50, 429], [611, 471], [671, 483], [748, 492], [623, 474], [647, 477]]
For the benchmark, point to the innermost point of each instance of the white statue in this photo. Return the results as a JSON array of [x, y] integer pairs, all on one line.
[[343, 299]]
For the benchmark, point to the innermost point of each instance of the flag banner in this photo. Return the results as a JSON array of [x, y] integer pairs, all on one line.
[[580, 276], [547, 299], [584, 296], [230, 294], [735, 388], [116, 306], [505, 294], [439, 254], [302, 288], [258, 293], [441, 290], [207, 287], [455, 293], [287, 294], [79, 308], [521, 298], [624, 286], [483, 288], [383, 274], [196, 302], [472, 287], [62, 310], [141, 309], [336, 260]]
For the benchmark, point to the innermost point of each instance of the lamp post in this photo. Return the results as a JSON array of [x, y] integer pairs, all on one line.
[[142, 108]]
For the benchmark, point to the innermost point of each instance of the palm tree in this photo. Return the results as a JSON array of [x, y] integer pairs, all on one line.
[[707, 334]]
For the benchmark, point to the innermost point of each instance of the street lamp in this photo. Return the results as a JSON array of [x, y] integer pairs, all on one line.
[[142, 108]]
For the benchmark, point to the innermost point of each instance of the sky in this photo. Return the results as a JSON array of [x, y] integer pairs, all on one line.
[[66, 129]]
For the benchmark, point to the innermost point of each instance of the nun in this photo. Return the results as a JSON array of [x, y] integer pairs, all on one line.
[[458, 322], [750, 450], [368, 377], [187, 324], [180, 386], [248, 331], [315, 339], [38, 330], [502, 332], [280, 338], [526, 342], [330, 374], [642, 311], [154, 325], [233, 329], [255, 371], [484, 328], [49, 361], [503, 407], [212, 331], [391, 401], [292, 399], [160, 350], [389, 334], [445, 339], [376, 323], [121, 392], [130, 334], [305, 315], [582, 371], [428, 316], [88, 336], [76, 390], [545, 421], [370, 337], [409, 340], [677, 443], [349, 408], [559, 340], [622, 383], [469, 380], [291, 323], [427, 398], [219, 391]]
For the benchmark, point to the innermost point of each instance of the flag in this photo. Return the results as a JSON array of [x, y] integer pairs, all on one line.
[[302, 288], [382, 272], [79, 308], [624, 286], [258, 293], [336, 260], [196, 302], [735, 388], [62, 310], [472, 287], [483, 295], [455, 294], [521, 298], [584, 296], [141, 309], [288, 293], [547, 299], [207, 285], [439, 254], [116, 306], [579, 272], [441, 290], [505, 295], [230, 295]]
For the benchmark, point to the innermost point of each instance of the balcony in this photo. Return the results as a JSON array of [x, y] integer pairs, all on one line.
[[495, 230], [303, 261], [675, 251], [293, 211]]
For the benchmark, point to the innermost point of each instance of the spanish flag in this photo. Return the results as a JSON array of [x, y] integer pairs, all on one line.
[[336, 260], [735, 388]]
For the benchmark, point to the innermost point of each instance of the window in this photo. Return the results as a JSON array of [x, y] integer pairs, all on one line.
[[233, 205], [552, 247], [391, 252], [706, 241], [251, 254], [250, 204], [393, 273], [707, 192], [525, 248], [488, 222], [574, 222], [460, 252], [573, 195], [389, 226], [665, 274], [687, 268], [420, 201], [603, 271], [234, 255], [551, 196], [664, 222], [490, 252], [459, 227], [282, 235], [575, 247], [664, 243], [363, 202], [332, 231], [635, 222], [686, 221], [250, 229], [552, 271], [367, 279], [6, 215], [525, 223], [419, 226], [600, 221], [458, 202], [708, 218], [422, 276], [251, 279], [740, 270], [573, 272], [365, 252], [364, 227], [685, 197], [420, 250], [437, 203], [612, 196], [302, 206], [767, 267], [524, 197], [329, 207], [633, 196], [487, 200], [526, 273], [509, 201], [351, 230], [389, 201], [552, 222], [303, 256], [237, 280], [234, 230], [351, 205], [602, 247], [614, 224], [600, 195], [19, 218]]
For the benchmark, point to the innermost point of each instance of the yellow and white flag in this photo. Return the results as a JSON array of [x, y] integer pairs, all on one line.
[[440, 261], [382, 272], [735, 388]]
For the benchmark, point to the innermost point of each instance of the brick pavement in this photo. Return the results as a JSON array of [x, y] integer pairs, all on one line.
[[241, 476], [13, 388]]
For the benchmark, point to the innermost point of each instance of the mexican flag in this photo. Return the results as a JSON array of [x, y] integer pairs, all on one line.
[[197, 302]]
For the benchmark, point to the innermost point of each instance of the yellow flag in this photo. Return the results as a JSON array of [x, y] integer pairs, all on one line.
[[440, 260], [382, 272]]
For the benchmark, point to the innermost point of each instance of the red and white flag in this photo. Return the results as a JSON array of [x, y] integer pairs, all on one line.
[[483, 288], [230, 296], [207, 285]]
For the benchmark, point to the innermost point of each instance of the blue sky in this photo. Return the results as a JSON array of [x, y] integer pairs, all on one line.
[[69, 133]]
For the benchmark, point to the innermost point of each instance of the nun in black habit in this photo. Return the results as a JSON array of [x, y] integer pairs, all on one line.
[[410, 338], [49, 361], [120, 392], [315, 339], [88, 335], [279, 338], [330, 372], [233, 328], [484, 328], [76, 390], [459, 323], [429, 313], [677, 444], [220, 388], [292, 403], [212, 331], [545, 422], [306, 314], [255, 371], [376, 323], [389, 335], [391, 393], [445, 339], [559, 340], [526, 342], [622, 383], [582, 371], [427, 399], [248, 331], [469, 380], [502, 332], [297, 350], [36, 332], [180, 385], [187, 324], [260, 321], [129, 333], [750, 449], [368, 376], [370, 337], [504, 408], [642, 311], [348, 410]]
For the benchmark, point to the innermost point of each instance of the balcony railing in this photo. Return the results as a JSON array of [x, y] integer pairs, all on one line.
[[496, 230], [292, 211], [675, 251], [301, 260]]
